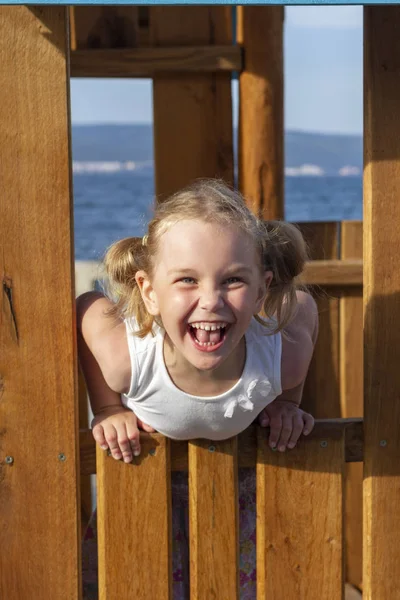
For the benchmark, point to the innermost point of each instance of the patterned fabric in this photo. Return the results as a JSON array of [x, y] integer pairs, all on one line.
[[180, 537]]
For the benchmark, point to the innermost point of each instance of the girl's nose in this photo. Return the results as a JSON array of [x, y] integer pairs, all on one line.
[[211, 300]]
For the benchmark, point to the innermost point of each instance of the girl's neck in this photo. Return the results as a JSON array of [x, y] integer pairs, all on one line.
[[197, 382]]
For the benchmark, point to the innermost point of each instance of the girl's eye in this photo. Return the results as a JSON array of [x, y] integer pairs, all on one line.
[[188, 280], [232, 280]]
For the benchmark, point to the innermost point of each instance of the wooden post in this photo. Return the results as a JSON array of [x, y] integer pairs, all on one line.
[[261, 166], [381, 571], [192, 113], [39, 485]]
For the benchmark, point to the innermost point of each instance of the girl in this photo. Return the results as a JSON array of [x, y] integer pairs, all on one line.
[[180, 347]]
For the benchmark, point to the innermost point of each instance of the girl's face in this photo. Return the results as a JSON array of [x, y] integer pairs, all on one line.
[[207, 285]]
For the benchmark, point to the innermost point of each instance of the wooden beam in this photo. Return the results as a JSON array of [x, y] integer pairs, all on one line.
[[261, 180], [39, 481], [147, 62], [324, 429], [381, 531], [347, 272]]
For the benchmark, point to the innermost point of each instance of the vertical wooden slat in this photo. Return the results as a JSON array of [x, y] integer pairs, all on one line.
[[261, 169], [300, 520], [86, 486], [213, 526], [381, 571], [351, 381], [104, 27], [134, 524], [192, 113], [321, 391], [39, 491]]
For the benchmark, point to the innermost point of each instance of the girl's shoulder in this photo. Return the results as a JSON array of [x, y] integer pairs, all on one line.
[[105, 335], [298, 341]]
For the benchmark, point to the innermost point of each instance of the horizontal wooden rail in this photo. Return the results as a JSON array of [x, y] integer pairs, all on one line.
[[333, 273], [325, 429], [145, 62]]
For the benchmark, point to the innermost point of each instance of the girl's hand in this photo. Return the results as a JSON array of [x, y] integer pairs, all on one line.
[[116, 429], [287, 422]]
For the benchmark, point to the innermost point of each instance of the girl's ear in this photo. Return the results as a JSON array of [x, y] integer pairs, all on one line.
[[148, 294], [265, 283]]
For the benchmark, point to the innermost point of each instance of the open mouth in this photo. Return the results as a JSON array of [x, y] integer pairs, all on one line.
[[208, 336]]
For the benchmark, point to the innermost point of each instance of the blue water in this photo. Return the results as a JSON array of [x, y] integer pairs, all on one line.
[[112, 206]]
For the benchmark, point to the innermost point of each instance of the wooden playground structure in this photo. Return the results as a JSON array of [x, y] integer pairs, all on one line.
[[344, 476]]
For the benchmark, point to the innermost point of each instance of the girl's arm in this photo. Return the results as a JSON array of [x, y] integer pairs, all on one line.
[[284, 416], [105, 362]]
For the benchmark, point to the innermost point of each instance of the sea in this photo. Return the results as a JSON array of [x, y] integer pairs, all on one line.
[[113, 202]]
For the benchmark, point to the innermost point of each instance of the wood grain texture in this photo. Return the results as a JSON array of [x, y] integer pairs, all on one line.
[[261, 168], [300, 521], [213, 520], [192, 113], [147, 62], [104, 27], [338, 273], [39, 491], [134, 524], [351, 381], [324, 429], [381, 571], [321, 394]]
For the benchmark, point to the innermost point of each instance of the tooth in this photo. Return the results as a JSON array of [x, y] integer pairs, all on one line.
[[213, 328], [207, 328]]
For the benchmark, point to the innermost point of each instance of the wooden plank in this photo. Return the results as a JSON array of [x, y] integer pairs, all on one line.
[[86, 486], [339, 273], [381, 571], [324, 429], [321, 395], [104, 27], [192, 113], [134, 524], [300, 520], [213, 520], [147, 62], [351, 380], [261, 172], [39, 490]]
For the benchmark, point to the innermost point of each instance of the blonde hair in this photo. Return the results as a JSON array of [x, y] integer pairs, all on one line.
[[281, 246]]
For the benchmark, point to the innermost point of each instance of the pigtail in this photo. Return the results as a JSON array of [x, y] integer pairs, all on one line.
[[285, 254], [122, 261]]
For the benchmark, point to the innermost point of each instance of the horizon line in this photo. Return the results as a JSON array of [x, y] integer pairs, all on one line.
[[286, 130]]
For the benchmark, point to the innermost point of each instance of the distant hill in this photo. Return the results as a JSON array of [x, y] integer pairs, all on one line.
[[305, 153]]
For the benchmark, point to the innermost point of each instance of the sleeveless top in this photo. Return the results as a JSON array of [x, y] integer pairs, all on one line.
[[155, 399]]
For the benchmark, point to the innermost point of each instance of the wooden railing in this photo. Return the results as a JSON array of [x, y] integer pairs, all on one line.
[[303, 504]]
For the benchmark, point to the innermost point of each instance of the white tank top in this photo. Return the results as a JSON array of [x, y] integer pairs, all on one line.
[[155, 399]]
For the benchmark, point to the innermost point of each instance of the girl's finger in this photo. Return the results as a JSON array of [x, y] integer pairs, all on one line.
[[275, 430], [308, 423], [286, 432], [98, 434], [124, 443], [134, 438], [298, 425], [112, 441]]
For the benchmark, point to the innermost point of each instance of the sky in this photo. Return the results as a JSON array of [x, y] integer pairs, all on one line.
[[323, 77]]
